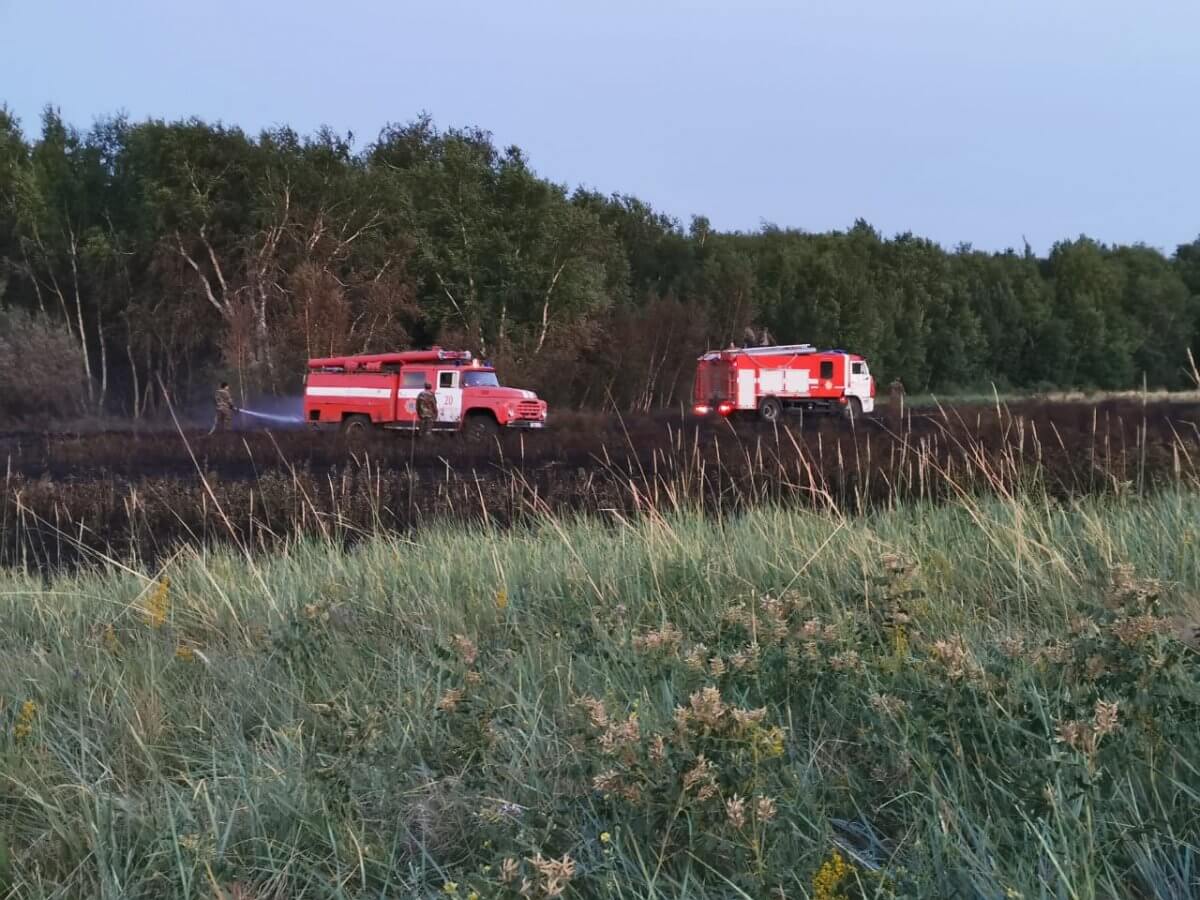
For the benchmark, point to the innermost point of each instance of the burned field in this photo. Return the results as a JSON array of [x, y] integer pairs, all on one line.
[[139, 494]]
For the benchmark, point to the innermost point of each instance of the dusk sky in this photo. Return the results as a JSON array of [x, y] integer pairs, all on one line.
[[987, 123]]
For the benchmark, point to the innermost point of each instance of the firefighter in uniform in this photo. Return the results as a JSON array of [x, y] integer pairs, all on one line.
[[223, 400], [426, 409]]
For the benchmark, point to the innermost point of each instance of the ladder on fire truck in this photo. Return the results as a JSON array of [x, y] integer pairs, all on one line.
[[776, 350]]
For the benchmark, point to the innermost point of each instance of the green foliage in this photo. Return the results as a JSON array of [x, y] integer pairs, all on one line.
[[996, 699], [168, 250]]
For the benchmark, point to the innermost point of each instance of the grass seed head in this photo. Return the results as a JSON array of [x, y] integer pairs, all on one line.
[[597, 714], [764, 809], [465, 647], [707, 708], [665, 639], [735, 812], [1132, 630], [697, 658], [1105, 718], [509, 869]]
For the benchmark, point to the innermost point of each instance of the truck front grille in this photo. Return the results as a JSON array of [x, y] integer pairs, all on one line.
[[529, 409]]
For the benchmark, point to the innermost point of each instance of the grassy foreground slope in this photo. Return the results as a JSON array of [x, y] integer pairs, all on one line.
[[984, 700]]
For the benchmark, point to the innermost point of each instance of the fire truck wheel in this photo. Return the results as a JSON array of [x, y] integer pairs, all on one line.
[[770, 410], [853, 409], [356, 427], [480, 427]]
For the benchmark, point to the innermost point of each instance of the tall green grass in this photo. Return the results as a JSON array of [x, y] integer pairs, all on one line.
[[422, 718]]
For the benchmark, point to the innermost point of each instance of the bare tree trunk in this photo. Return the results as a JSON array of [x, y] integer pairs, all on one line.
[[148, 399], [133, 372], [103, 357], [262, 338], [83, 347], [462, 313], [37, 285], [222, 304], [546, 307]]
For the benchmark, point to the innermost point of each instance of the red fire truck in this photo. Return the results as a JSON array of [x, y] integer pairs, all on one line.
[[359, 393], [772, 381]]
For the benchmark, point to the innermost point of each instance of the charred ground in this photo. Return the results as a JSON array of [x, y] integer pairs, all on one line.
[[139, 493]]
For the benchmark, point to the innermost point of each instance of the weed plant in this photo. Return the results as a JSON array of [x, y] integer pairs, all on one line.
[[994, 697]]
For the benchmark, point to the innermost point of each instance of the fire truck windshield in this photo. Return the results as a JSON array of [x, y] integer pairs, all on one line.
[[480, 379]]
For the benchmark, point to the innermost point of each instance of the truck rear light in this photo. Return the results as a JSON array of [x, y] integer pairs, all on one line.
[[702, 409], [725, 408]]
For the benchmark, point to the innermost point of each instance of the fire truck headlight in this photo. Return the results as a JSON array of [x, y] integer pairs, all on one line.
[[701, 409]]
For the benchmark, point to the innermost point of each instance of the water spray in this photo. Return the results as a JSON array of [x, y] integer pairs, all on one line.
[[286, 420]]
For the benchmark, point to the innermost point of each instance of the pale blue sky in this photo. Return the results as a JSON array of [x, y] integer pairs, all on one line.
[[957, 119]]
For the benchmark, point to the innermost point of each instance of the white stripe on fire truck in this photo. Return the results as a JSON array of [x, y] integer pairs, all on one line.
[[348, 392]]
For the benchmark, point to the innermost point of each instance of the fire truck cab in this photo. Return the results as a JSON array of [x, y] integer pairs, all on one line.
[[359, 393], [773, 381]]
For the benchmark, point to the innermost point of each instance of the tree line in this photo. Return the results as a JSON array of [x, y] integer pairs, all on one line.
[[138, 257]]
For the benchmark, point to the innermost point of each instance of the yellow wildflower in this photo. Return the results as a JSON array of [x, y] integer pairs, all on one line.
[[502, 599], [768, 742], [828, 880], [159, 604], [474, 895], [605, 837], [24, 726], [450, 887]]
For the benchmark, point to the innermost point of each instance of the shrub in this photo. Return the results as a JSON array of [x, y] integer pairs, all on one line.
[[40, 373]]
